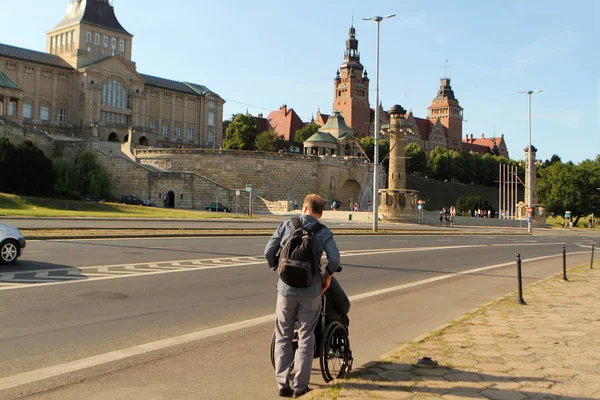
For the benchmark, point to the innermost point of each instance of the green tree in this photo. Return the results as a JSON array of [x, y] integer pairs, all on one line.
[[368, 145], [265, 141], [553, 160], [440, 164], [92, 177], [417, 159], [81, 176], [241, 133], [471, 203], [569, 187], [305, 132]]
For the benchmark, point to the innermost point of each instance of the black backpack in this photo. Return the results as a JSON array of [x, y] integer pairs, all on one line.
[[298, 263]]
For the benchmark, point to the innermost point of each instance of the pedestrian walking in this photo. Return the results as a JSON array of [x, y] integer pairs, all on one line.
[[300, 304]]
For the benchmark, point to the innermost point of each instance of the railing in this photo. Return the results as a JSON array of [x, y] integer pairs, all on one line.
[[241, 153]]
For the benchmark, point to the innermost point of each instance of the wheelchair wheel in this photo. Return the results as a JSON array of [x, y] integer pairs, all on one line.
[[295, 344], [335, 358]]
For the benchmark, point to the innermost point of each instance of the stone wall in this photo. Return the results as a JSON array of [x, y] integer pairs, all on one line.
[[190, 190]]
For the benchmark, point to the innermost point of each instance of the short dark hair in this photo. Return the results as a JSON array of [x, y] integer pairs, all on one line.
[[314, 203]]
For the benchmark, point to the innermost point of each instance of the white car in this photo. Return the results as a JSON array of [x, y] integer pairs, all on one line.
[[12, 244]]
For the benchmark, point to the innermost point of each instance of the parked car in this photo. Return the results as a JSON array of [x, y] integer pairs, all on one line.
[[12, 244], [131, 200], [217, 207]]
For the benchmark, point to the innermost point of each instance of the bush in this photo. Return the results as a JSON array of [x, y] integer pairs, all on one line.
[[471, 203], [25, 170]]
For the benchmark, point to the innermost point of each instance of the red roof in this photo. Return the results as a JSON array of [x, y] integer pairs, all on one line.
[[475, 148], [285, 122], [424, 126]]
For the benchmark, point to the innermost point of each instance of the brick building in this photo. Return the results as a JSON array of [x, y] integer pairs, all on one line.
[[87, 85]]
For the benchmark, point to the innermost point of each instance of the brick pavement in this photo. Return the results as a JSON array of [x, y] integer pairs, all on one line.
[[547, 349]]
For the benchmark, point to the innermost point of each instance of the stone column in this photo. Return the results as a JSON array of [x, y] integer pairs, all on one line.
[[530, 182], [5, 101], [397, 170]]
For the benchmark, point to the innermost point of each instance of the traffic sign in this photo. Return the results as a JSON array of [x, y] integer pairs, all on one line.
[[248, 187], [419, 207], [521, 204], [237, 192], [420, 202], [529, 209]]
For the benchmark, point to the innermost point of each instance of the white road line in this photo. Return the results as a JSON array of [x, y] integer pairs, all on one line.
[[76, 365], [115, 274], [7, 277], [95, 274], [63, 277], [42, 274], [74, 272], [176, 264], [141, 270]]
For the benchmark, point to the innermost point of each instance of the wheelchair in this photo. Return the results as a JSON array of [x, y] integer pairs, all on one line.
[[332, 344]]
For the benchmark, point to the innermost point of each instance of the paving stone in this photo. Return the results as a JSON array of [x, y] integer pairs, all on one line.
[[464, 377], [461, 362], [396, 375], [397, 367], [458, 395], [523, 366], [493, 367], [503, 394]]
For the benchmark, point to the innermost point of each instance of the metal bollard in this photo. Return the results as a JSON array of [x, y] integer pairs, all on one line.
[[592, 260], [564, 264], [520, 279]]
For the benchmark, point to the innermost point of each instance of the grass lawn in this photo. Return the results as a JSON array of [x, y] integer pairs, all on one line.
[[12, 205], [556, 222]]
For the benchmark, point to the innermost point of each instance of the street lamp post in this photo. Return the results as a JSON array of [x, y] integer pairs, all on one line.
[[529, 159], [376, 135]]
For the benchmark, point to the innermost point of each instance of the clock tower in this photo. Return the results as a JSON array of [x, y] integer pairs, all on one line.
[[351, 89]]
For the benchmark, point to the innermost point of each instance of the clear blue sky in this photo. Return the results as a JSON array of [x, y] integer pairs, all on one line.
[[267, 53]]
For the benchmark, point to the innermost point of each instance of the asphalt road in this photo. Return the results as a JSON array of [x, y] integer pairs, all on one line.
[[73, 299]]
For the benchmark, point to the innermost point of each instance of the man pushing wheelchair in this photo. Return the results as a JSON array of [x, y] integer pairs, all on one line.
[[295, 251]]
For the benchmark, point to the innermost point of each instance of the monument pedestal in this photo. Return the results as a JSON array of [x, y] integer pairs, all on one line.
[[398, 205]]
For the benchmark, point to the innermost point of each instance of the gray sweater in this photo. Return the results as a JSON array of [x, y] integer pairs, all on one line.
[[324, 242]]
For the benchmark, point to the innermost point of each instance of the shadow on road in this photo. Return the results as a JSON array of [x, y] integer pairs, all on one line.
[[34, 272]]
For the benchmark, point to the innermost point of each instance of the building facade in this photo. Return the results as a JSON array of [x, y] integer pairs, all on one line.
[[87, 85]]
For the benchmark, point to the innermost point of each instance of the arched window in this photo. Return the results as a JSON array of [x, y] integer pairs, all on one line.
[[115, 95]]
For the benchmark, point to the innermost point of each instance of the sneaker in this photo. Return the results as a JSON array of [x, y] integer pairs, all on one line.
[[286, 392], [302, 392]]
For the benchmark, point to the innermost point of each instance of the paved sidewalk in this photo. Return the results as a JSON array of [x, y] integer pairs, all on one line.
[[547, 349]]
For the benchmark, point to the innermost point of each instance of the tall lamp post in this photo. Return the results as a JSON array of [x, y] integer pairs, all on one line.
[[529, 159], [376, 155]]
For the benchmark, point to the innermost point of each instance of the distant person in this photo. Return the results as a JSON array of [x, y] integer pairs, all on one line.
[[301, 304]]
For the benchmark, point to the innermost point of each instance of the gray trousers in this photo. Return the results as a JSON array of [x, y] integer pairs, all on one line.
[[288, 310]]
